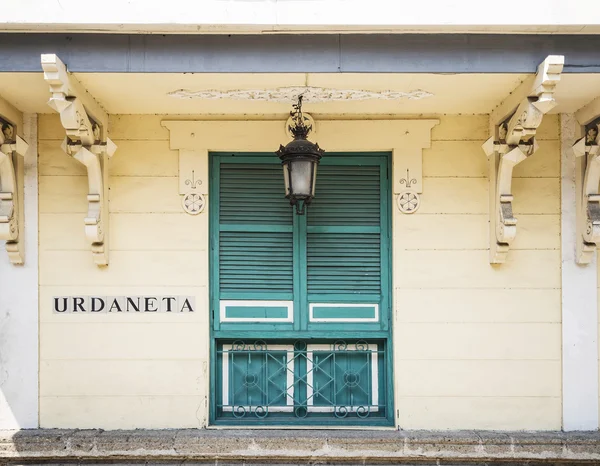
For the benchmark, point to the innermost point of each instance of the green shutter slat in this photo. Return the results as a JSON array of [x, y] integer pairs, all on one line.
[[255, 241], [257, 261], [346, 195], [252, 194], [342, 259], [342, 243]]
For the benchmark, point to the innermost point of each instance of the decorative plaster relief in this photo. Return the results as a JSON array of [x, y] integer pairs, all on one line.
[[193, 180], [11, 209], [85, 124], [513, 140], [290, 94], [408, 179], [193, 203], [408, 202]]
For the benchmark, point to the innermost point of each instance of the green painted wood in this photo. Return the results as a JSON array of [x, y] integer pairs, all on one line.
[[255, 232], [345, 227], [251, 295], [254, 312], [338, 252], [254, 227], [320, 332]]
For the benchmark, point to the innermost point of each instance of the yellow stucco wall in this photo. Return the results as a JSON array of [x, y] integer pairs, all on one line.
[[479, 346], [476, 346], [137, 371]]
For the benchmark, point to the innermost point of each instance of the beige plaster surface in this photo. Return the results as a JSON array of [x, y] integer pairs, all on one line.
[[476, 346]]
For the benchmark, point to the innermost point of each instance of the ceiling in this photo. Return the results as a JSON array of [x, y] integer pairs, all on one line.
[[133, 93]]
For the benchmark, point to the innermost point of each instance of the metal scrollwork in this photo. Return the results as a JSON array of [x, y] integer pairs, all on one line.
[[361, 345], [301, 412], [340, 411], [260, 345], [238, 346], [304, 379], [239, 411], [261, 411], [363, 411], [340, 345]]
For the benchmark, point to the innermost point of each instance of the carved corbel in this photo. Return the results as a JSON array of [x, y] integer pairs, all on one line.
[[85, 124], [587, 183], [11, 201], [513, 126]]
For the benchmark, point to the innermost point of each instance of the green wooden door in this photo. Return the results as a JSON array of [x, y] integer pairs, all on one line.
[[300, 303]]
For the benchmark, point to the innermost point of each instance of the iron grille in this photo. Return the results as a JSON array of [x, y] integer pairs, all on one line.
[[302, 380]]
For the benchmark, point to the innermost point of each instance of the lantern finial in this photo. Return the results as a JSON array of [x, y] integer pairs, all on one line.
[[299, 159], [300, 129]]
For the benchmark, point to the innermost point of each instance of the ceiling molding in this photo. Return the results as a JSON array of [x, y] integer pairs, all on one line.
[[291, 93]]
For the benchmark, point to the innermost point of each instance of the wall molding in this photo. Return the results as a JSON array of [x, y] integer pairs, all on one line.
[[406, 139]]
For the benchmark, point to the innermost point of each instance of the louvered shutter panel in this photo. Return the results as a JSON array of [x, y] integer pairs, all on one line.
[[255, 233], [344, 249]]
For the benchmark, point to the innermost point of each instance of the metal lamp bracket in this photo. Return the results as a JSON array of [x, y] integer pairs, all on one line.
[[85, 124], [12, 149], [513, 126]]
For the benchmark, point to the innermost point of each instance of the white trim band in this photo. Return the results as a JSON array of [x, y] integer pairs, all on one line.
[[223, 305], [312, 318]]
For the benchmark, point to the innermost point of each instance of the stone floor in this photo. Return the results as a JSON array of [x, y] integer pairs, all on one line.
[[306, 447]]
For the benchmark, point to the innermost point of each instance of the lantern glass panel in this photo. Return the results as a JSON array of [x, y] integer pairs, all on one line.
[[286, 179], [314, 179], [301, 179]]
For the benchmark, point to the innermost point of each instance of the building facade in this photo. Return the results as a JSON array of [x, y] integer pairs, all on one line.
[[444, 277]]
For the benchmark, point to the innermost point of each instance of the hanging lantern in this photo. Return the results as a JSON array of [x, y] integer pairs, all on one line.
[[299, 159]]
